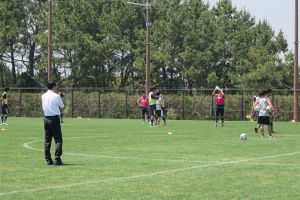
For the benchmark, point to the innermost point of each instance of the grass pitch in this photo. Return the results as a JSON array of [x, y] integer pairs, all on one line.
[[126, 159]]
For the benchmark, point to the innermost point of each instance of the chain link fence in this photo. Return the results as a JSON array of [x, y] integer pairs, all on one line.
[[190, 104]]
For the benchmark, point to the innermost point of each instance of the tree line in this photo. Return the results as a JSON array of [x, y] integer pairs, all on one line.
[[101, 43]]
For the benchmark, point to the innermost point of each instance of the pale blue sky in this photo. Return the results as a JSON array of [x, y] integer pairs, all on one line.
[[279, 14]]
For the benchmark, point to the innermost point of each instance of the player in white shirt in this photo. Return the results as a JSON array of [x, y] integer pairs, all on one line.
[[52, 107]]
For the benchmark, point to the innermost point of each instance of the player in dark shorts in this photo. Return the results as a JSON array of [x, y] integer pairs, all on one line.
[[144, 105], [264, 116], [152, 103]]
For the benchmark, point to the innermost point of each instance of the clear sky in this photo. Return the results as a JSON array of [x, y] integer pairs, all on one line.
[[279, 14]]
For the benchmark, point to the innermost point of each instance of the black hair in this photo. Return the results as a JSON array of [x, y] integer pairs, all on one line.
[[158, 92], [6, 89], [152, 88], [51, 84]]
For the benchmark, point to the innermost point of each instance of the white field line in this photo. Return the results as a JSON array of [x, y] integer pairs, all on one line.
[[27, 146], [273, 164], [116, 179]]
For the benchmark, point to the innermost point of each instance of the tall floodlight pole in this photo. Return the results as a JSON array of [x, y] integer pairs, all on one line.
[[295, 117], [148, 40], [49, 38]]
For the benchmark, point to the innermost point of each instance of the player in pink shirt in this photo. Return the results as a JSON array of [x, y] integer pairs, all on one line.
[[219, 101], [144, 104]]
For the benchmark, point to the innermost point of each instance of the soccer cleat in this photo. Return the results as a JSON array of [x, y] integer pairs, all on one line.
[[58, 162], [49, 161]]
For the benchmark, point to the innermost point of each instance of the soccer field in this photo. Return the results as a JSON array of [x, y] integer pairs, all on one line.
[[126, 159]]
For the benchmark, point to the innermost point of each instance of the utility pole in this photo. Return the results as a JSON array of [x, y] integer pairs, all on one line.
[[148, 41], [49, 38], [148, 45], [296, 72]]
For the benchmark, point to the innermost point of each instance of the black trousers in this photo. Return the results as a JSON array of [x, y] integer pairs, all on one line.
[[219, 111], [53, 130]]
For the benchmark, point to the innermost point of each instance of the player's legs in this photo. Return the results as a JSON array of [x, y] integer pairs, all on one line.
[[157, 117], [4, 111], [143, 112], [262, 130], [164, 113], [222, 115], [57, 135], [261, 122], [48, 139], [217, 112], [152, 113]]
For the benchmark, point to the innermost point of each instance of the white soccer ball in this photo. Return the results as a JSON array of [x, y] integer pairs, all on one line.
[[256, 109], [269, 109], [243, 136]]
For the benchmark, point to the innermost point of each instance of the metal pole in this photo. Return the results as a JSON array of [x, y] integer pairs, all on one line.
[[148, 45], [49, 38], [295, 117]]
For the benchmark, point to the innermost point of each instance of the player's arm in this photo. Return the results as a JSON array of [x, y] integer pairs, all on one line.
[[60, 103], [222, 93], [139, 101], [214, 92], [270, 104], [255, 104]]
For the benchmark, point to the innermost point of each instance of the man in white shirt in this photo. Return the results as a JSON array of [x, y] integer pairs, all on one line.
[[52, 107]]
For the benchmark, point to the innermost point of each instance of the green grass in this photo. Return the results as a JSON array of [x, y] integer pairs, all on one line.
[[125, 159]]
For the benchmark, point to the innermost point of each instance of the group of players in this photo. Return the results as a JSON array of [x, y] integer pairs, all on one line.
[[263, 111], [153, 107]]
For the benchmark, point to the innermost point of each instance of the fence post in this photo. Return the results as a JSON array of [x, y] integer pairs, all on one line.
[[20, 103], [183, 106], [72, 103], [212, 108], [126, 104], [99, 105], [242, 106]]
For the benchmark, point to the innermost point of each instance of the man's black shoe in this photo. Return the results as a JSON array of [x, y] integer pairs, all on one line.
[[49, 162], [58, 162]]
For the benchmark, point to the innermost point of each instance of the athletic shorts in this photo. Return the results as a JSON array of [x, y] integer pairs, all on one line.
[[264, 120], [158, 113], [153, 109], [144, 111], [219, 110], [4, 109]]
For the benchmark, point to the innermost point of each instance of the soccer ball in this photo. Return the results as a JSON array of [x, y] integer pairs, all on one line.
[[243, 136], [256, 109], [269, 110]]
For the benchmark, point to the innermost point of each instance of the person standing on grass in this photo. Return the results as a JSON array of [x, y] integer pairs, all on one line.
[[271, 112], [263, 114], [152, 102], [4, 106], [52, 106], [158, 109], [219, 101], [144, 105], [256, 110], [163, 108]]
